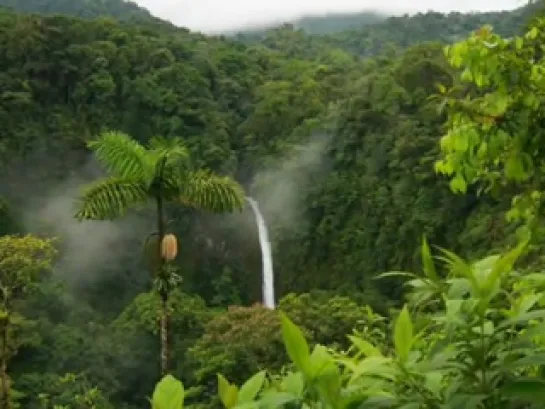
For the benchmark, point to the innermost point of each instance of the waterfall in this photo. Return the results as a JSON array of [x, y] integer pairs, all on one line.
[[266, 255]]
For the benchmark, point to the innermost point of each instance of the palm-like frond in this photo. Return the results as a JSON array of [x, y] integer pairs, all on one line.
[[110, 198], [122, 155], [173, 150], [204, 190]]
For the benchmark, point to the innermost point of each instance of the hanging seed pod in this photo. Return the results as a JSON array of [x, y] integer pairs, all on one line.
[[169, 247]]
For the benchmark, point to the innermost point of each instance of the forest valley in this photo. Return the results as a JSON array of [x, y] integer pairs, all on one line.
[[401, 180]]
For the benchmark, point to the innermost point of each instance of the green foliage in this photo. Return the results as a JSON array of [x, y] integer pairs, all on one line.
[[495, 118], [296, 346], [239, 109], [168, 394], [478, 348], [403, 335], [327, 318], [22, 259], [235, 343], [244, 340], [73, 392], [125, 10], [374, 32], [242, 109]]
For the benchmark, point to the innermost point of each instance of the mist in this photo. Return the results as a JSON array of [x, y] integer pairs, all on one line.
[[216, 16], [280, 188], [87, 249]]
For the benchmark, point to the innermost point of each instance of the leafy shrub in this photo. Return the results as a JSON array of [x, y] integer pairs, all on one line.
[[469, 340]]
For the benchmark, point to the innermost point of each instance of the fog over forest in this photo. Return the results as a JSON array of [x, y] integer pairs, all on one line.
[[218, 15]]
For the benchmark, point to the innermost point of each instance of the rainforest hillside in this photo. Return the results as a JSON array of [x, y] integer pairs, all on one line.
[[120, 9], [369, 38], [338, 150]]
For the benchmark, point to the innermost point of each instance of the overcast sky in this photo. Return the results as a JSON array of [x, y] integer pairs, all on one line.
[[216, 15]]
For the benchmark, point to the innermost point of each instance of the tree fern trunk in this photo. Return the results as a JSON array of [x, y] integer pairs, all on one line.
[[164, 336], [163, 292]]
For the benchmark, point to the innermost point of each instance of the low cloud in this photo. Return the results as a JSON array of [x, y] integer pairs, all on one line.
[[213, 16]]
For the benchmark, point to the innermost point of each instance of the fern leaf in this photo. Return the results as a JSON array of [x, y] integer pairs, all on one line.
[[203, 190], [172, 149], [110, 198], [121, 155]]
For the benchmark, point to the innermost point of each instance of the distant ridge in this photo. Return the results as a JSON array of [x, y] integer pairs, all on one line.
[[319, 23], [88, 9], [366, 21], [345, 30]]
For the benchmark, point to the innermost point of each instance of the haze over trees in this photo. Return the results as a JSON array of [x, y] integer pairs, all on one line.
[[357, 144]]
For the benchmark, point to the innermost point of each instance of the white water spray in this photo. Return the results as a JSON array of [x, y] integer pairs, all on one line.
[[266, 255]]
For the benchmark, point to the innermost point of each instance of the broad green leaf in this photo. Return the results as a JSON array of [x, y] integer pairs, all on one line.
[[168, 394], [453, 308], [527, 302], [374, 365], [275, 400], [321, 361], [364, 347], [522, 318], [487, 329], [249, 390], [295, 343], [528, 390], [228, 393], [403, 334], [294, 383], [501, 267], [458, 267], [526, 362], [427, 261]]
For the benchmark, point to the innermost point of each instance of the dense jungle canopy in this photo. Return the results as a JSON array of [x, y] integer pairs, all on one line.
[[333, 124]]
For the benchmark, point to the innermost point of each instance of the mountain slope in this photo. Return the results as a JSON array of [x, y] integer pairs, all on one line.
[[118, 9], [432, 26], [401, 32]]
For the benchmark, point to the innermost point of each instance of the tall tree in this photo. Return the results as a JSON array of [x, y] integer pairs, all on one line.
[[22, 259], [159, 173]]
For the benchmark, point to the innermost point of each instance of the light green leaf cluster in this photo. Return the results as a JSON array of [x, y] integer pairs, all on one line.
[[495, 111]]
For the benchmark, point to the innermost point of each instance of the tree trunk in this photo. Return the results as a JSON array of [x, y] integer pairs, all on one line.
[[163, 292], [164, 335], [4, 399]]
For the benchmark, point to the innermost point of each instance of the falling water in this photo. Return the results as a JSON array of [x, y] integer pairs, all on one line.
[[266, 254]]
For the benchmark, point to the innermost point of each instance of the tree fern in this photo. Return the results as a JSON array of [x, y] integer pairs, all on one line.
[[160, 173], [139, 173]]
